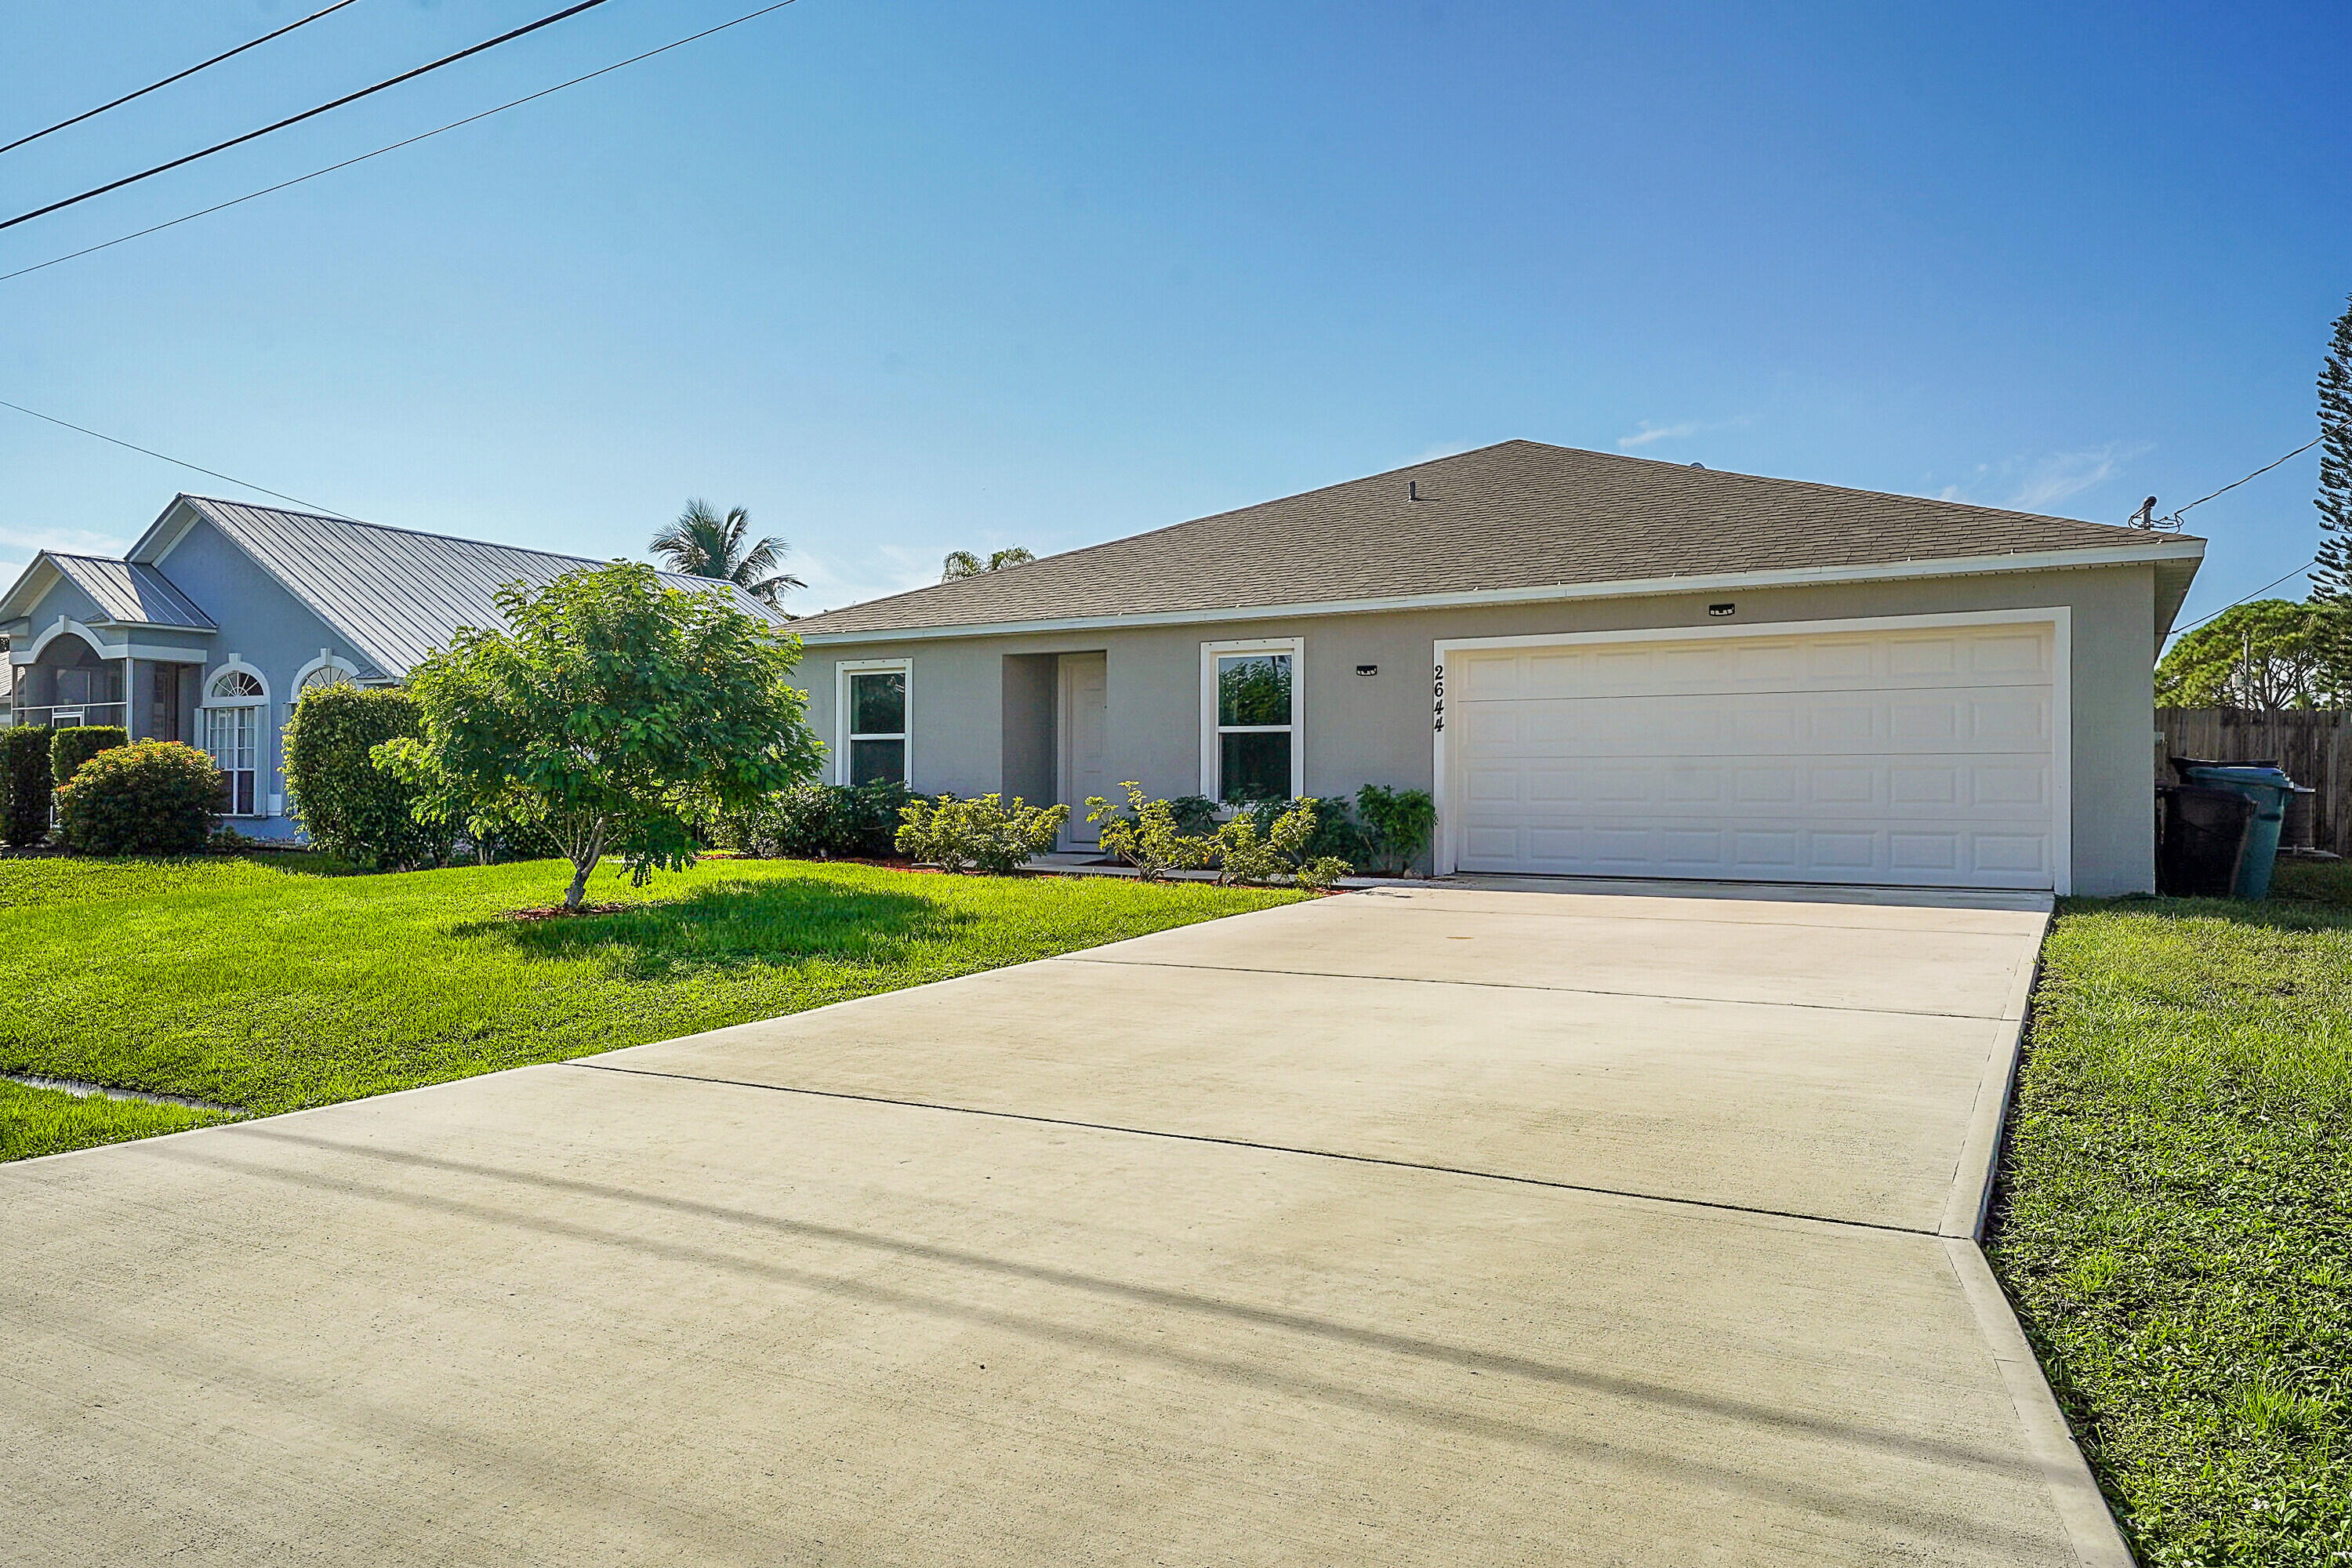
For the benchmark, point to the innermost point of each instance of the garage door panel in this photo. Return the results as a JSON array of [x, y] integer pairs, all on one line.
[[1923, 758]]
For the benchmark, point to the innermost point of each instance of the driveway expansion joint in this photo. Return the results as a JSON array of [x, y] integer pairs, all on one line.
[[1270, 1148]]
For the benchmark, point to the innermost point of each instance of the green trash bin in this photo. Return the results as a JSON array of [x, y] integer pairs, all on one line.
[[2269, 789]]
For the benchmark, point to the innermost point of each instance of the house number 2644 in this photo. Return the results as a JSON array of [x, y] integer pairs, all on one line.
[[1437, 695]]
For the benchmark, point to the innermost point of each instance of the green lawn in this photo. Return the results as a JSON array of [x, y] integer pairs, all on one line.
[[2175, 1220], [265, 985]]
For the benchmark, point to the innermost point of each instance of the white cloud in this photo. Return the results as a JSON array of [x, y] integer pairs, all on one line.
[[2061, 475], [1649, 433]]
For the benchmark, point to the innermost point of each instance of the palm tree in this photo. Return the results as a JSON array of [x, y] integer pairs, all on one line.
[[702, 543], [964, 563]]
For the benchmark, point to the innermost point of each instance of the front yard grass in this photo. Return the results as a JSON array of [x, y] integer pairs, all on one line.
[[266, 987], [2175, 1221]]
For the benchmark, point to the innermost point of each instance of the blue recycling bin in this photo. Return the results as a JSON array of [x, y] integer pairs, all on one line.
[[2269, 789]]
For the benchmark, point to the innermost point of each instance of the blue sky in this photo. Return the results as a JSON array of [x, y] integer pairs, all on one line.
[[906, 278]]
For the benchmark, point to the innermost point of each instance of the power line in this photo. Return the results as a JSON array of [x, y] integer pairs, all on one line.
[[396, 146], [306, 114], [2179, 631], [2233, 484], [176, 76], [178, 462]]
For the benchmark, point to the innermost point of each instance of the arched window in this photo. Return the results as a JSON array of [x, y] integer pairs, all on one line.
[[232, 733]]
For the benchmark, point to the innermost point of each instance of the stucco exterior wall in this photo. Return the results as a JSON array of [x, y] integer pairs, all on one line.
[[1362, 730]]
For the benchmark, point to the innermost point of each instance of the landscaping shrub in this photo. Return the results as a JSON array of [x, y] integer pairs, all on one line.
[[76, 743], [348, 806], [1252, 850], [820, 821], [155, 798], [25, 784], [1148, 834], [1335, 836], [1399, 824], [981, 833]]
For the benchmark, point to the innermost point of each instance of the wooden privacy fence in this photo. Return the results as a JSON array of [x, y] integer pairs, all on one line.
[[2314, 747]]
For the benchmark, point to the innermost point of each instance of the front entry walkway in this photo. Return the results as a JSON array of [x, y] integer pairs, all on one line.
[[1429, 1224]]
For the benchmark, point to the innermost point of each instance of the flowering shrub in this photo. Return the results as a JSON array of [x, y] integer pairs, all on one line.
[[980, 834]]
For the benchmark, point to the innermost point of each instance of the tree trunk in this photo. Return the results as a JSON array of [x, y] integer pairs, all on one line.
[[583, 862]]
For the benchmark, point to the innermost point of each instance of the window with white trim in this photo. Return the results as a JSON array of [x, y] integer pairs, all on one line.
[[232, 736], [874, 725], [1250, 742]]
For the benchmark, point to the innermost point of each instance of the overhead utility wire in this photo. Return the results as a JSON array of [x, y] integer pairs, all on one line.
[[176, 76], [306, 114], [2258, 473], [178, 462], [394, 146], [2257, 594]]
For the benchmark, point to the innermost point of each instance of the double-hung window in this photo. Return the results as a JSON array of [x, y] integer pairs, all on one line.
[[872, 699], [232, 736], [1250, 731]]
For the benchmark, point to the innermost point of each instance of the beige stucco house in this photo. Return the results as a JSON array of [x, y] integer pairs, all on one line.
[[1599, 665]]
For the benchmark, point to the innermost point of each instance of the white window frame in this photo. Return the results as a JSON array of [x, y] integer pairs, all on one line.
[[1211, 773], [209, 704], [840, 732], [344, 671]]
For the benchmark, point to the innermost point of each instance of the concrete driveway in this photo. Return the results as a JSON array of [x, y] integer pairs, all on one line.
[[1439, 1224]]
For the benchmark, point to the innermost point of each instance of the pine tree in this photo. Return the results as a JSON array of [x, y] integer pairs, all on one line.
[[2331, 578]]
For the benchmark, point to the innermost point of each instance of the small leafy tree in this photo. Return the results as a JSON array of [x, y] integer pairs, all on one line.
[[1148, 836], [2272, 654], [346, 804], [155, 798], [25, 783], [76, 743], [981, 833], [612, 713]]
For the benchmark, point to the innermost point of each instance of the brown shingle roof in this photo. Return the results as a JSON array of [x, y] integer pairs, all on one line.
[[1518, 515]]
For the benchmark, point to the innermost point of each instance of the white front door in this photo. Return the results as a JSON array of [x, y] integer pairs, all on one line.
[[1079, 729], [1922, 757]]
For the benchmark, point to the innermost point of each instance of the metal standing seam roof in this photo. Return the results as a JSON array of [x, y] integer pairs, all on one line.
[[1517, 515], [129, 592], [396, 593]]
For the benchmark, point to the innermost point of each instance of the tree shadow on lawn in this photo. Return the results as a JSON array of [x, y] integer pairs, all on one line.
[[738, 925]]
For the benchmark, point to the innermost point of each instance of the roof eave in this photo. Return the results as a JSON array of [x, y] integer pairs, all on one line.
[[2182, 550]]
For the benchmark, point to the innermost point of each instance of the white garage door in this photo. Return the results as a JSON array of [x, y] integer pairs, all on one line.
[[1921, 757]]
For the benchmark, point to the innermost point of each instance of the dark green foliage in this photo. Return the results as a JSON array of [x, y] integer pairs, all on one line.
[[348, 806], [1399, 823], [155, 798], [821, 822], [25, 784], [1336, 836], [76, 743], [2331, 578]]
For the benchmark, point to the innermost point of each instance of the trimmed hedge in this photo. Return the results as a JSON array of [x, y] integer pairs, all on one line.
[[76, 743], [25, 784], [348, 806], [155, 798]]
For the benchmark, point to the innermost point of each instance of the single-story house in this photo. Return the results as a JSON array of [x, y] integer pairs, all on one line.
[[1598, 665], [211, 625]]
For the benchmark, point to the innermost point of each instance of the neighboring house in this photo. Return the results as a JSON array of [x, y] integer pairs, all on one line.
[[1599, 665], [210, 628]]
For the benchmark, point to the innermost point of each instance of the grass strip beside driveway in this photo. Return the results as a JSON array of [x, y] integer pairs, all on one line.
[[2174, 1223], [265, 985]]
